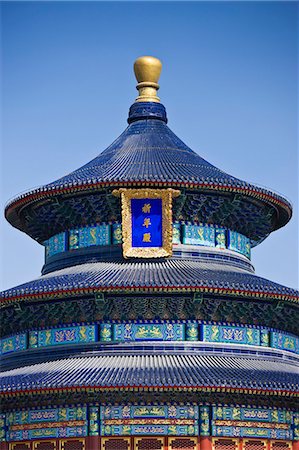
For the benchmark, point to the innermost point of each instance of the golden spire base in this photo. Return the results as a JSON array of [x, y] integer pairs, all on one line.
[[147, 71]]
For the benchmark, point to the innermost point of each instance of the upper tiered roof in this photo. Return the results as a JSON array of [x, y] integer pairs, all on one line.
[[147, 153]]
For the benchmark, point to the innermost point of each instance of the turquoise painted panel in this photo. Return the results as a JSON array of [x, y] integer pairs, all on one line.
[[150, 411], [204, 421], [266, 433], [176, 233], [88, 236], [46, 415], [50, 422], [42, 433], [67, 335], [199, 235], [230, 334], [2, 428], [191, 331], [264, 338], [220, 238], [149, 420], [106, 332], [94, 420], [284, 341], [149, 331], [116, 234], [251, 414], [296, 426], [14, 343], [150, 430], [33, 339], [56, 244], [239, 243]]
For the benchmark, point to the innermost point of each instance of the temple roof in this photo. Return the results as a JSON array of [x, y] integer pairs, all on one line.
[[162, 369], [171, 275], [147, 153]]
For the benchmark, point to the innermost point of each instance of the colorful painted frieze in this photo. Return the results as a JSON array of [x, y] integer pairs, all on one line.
[[42, 433], [46, 415], [230, 334], [204, 421], [88, 236], [149, 331], [199, 235], [239, 243], [116, 234], [67, 335], [56, 244], [251, 414], [220, 237], [256, 432], [93, 421], [251, 422], [14, 343], [150, 411], [46, 423], [284, 341], [150, 430], [149, 420], [192, 331], [176, 233]]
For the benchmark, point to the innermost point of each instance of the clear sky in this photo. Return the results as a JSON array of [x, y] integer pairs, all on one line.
[[229, 83]]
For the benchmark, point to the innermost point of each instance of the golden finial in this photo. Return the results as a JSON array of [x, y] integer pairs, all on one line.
[[147, 71]]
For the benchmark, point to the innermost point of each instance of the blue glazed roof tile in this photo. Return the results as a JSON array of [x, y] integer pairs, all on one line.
[[167, 274], [148, 151], [126, 370]]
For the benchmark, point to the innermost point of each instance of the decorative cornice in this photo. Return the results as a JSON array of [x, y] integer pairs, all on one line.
[[45, 193], [140, 388], [75, 292]]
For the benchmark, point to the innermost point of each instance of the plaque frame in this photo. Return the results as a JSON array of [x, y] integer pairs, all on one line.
[[166, 195]]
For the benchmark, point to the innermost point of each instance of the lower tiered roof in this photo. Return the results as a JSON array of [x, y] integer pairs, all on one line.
[[164, 275], [175, 366]]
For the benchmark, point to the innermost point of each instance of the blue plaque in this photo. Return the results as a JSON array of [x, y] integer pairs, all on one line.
[[146, 222]]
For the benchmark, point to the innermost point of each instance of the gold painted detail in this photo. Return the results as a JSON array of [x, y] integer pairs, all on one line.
[[166, 196], [147, 70]]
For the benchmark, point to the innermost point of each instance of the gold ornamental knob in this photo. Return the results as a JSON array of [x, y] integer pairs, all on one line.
[[147, 70]]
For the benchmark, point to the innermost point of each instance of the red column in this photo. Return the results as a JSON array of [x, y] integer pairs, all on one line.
[[295, 445], [92, 443], [3, 445], [206, 443]]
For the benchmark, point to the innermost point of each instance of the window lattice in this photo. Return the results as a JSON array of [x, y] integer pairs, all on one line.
[[45, 445], [20, 446], [150, 444], [224, 444], [281, 445], [182, 444], [73, 444], [116, 444], [254, 445]]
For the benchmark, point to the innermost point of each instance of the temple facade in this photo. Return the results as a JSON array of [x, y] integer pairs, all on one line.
[[148, 327]]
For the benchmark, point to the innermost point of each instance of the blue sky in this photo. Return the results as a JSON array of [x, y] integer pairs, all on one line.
[[229, 83]]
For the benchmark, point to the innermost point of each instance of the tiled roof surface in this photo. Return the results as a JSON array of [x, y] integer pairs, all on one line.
[[148, 151], [184, 370], [172, 274]]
